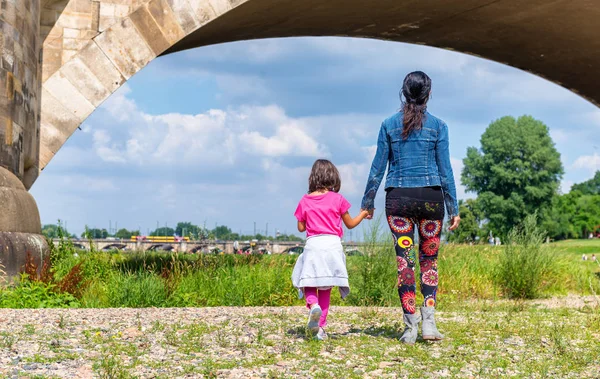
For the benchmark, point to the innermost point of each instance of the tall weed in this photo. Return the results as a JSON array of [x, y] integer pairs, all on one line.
[[526, 263], [373, 281]]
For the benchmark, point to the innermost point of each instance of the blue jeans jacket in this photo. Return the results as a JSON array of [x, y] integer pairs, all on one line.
[[422, 160]]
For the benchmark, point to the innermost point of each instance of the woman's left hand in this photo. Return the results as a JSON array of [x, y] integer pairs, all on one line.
[[454, 221], [369, 213]]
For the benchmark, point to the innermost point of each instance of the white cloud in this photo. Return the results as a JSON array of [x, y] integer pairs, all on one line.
[[120, 106], [213, 138], [590, 163], [559, 135], [106, 150], [565, 186], [457, 166]]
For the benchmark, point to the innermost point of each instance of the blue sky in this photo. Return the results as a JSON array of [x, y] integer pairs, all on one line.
[[226, 134]]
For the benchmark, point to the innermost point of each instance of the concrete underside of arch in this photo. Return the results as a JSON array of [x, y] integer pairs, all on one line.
[[555, 39]]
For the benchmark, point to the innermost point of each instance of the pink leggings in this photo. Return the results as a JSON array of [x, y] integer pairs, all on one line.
[[320, 297]]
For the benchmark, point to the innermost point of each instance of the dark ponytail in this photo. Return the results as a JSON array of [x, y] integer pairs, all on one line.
[[416, 90]]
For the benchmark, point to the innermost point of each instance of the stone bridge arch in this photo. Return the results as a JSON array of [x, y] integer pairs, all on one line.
[[555, 39], [62, 58]]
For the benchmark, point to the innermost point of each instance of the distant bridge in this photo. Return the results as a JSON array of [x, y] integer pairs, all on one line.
[[275, 247]]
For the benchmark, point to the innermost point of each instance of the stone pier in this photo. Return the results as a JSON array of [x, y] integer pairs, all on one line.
[[19, 132]]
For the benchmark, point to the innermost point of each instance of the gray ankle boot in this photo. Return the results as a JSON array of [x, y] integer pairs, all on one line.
[[411, 331], [430, 332]]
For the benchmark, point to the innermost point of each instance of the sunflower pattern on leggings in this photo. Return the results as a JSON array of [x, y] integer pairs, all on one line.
[[403, 230]]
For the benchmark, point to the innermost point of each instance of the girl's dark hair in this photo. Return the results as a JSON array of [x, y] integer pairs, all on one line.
[[416, 90], [324, 176]]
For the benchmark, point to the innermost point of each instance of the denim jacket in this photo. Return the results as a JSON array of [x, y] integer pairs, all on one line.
[[422, 160]]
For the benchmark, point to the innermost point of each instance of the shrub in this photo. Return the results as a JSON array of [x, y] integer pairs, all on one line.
[[34, 294], [525, 262]]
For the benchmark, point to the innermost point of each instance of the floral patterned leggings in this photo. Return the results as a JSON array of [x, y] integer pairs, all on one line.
[[425, 211]]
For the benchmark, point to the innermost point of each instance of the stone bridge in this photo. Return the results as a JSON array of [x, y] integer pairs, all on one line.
[[275, 247], [62, 58]]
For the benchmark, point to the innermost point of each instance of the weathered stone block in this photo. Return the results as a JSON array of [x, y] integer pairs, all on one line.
[[166, 21], [102, 67], [149, 29], [84, 80], [125, 47], [71, 33], [82, 6], [68, 54], [75, 20], [51, 63], [204, 10], [46, 153], [65, 92], [106, 22], [57, 123], [220, 6], [185, 15], [74, 43]]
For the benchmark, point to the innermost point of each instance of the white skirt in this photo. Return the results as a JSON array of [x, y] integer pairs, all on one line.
[[322, 265]]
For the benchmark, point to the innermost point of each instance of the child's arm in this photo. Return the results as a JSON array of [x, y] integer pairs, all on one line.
[[301, 226], [352, 223]]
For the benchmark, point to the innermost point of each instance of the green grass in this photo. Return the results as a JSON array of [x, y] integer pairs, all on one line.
[[165, 280]]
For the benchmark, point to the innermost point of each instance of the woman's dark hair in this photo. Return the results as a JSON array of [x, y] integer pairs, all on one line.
[[324, 176], [416, 90]]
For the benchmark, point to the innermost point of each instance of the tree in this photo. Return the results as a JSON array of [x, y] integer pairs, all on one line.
[[586, 217], [590, 187], [221, 232], [517, 171], [164, 231], [55, 231], [126, 234], [50, 231], [470, 223], [95, 233], [558, 220]]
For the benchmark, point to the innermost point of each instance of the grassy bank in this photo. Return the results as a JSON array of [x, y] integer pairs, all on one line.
[[101, 279]]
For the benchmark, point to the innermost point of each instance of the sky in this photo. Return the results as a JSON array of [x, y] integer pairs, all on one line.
[[226, 134]]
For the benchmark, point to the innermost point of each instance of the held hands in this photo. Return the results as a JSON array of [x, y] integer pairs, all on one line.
[[454, 221], [367, 214]]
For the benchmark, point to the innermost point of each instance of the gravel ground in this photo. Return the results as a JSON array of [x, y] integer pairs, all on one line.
[[551, 338]]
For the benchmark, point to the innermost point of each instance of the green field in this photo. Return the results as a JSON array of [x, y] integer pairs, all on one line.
[[164, 280]]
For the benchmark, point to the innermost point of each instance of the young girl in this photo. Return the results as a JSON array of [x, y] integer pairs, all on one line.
[[322, 265]]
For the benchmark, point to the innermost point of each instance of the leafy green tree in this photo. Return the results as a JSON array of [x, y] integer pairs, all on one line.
[[186, 228], [222, 232], [590, 187], [558, 220], [163, 231], [126, 234], [56, 231], [50, 231], [95, 233], [516, 172], [471, 220], [586, 218], [288, 237]]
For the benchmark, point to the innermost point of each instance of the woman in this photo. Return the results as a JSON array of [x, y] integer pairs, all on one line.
[[414, 144]]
